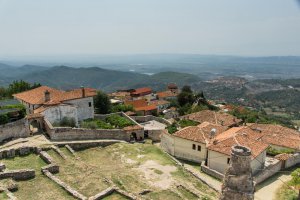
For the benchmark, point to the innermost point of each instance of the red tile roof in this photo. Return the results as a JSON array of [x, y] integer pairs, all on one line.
[[137, 103], [146, 108], [192, 133], [200, 133], [213, 117], [37, 95], [166, 94], [224, 146], [277, 135], [141, 91], [159, 102]]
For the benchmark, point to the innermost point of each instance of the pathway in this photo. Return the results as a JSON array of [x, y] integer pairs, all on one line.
[[267, 189]]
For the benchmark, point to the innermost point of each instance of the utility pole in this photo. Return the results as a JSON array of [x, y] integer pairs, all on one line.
[[238, 181]]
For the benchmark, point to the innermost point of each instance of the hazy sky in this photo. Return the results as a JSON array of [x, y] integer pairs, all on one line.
[[227, 27]]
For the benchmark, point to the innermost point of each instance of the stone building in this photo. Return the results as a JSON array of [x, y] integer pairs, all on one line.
[[56, 104]]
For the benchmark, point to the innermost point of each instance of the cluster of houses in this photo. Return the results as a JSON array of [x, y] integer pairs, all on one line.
[[145, 101], [210, 142]]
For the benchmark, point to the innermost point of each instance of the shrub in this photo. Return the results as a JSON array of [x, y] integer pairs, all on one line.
[[184, 123], [118, 121], [121, 108], [172, 128], [65, 122], [273, 152], [4, 118], [95, 124]]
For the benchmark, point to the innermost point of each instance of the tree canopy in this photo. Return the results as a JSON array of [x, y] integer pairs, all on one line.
[[102, 103]]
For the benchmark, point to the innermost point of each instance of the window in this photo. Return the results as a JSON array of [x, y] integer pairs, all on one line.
[[199, 148], [228, 160], [194, 146], [90, 104]]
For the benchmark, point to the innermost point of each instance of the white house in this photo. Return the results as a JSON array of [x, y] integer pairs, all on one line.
[[55, 104]]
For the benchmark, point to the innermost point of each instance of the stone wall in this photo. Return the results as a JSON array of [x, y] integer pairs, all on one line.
[[66, 187], [268, 172], [167, 143], [142, 119], [17, 129], [84, 110], [23, 174], [212, 172], [90, 134], [85, 145], [293, 160]]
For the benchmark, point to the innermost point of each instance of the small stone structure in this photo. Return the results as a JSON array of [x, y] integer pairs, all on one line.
[[238, 181], [46, 157], [22, 174], [66, 187], [16, 129]]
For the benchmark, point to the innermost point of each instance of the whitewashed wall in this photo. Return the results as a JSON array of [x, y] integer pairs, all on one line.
[[83, 109]]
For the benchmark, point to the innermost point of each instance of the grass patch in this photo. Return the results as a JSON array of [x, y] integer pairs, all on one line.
[[157, 171], [39, 187], [115, 196]]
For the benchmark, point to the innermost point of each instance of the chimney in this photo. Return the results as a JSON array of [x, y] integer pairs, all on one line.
[[47, 96], [213, 133], [83, 92]]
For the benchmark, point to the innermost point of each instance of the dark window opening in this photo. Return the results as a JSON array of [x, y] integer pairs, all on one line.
[[90, 104], [228, 160], [194, 146], [199, 148]]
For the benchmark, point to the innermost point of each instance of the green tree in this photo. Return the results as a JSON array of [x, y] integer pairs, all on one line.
[[186, 96], [296, 180], [102, 103]]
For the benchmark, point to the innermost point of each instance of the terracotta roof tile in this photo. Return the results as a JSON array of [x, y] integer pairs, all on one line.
[[192, 133], [224, 146], [141, 90], [166, 94], [146, 108], [137, 103], [213, 117], [277, 135], [37, 95]]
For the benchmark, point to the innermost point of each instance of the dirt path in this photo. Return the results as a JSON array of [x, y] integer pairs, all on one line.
[[158, 175], [267, 189]]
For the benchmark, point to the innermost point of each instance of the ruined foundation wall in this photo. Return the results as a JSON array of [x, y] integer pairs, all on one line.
[[17, 129]]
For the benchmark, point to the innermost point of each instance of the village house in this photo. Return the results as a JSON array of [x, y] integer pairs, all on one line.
[[223, 119], [141, 107], [161, 105], [143, 93], [190, 142], [219, 151], [55, 104], [170, 94]]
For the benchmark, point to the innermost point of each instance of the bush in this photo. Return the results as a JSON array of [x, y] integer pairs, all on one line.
[[184, 123], [118, 121], [65, 122], [121, 108], [95, 124], [172, 128], [4, 118], [273, 152]]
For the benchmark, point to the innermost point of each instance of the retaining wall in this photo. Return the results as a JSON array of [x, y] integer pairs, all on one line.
[[23, 174], [142, 119], [212, 172], [267, 172], [167, 143], [17, 129], [293, 160]]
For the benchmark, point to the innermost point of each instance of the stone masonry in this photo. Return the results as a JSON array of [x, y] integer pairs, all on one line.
[[238, 181]]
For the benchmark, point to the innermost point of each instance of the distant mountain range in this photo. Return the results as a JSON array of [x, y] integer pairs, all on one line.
[[64, 77]]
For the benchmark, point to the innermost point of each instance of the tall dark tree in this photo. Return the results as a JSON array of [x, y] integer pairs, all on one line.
[[186, 96], [102, 103]]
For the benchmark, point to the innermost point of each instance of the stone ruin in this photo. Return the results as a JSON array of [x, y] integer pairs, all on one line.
[[238, 181]]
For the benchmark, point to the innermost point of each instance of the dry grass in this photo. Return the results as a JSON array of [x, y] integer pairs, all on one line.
[[38, 188], [95, 169]]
